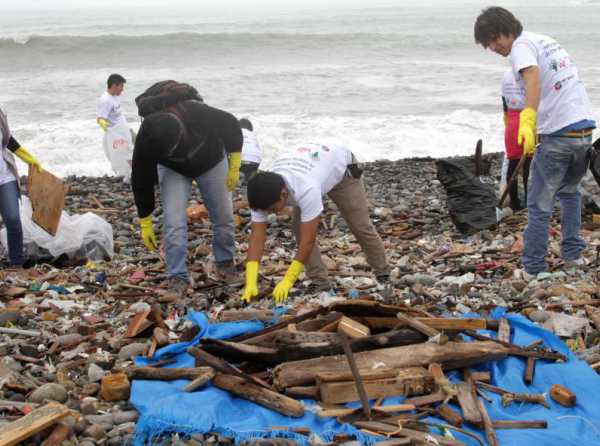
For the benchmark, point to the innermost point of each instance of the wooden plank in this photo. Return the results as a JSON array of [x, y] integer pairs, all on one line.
[[468, 404], [260, 395], [32, 423], [451, 355], [439, 323], [328, 377], [417, 325], [311, 392], [504, 330], [353, 329], [160, 374], [47, 195], [407, 382]]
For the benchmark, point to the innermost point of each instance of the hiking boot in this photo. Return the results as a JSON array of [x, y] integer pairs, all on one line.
[[176, 288], [226, 271]]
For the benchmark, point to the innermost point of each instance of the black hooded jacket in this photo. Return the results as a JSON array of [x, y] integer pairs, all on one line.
[[191, 138]]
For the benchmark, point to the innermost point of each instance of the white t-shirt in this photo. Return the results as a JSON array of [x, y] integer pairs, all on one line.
[[309, 173], [6, 175], [109, 108], [564, 100], [513, 91], [251, 149]]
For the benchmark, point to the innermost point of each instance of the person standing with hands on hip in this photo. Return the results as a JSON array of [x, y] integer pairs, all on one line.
[[559, 115]]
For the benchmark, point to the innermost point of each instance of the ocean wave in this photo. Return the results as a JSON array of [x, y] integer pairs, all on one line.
[[193, 39]]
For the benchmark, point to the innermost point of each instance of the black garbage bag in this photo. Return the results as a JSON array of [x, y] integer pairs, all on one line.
[[471, 200]]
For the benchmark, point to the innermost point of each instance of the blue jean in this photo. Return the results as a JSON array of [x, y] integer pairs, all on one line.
[[9, 210], [175, 193], [556, 171]]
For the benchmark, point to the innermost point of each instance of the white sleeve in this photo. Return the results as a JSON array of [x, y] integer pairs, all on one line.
[[258, 216], [523, 55], [310, 204], [103, 108]]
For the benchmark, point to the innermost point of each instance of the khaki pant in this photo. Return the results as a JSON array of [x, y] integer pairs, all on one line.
[[351, 199]]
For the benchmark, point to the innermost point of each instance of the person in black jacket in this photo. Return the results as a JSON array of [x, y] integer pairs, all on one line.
[[190, 141]]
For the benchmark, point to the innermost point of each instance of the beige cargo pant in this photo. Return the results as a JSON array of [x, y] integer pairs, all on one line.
[[351, 199]]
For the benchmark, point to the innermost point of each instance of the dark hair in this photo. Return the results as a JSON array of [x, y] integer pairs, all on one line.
[[246, 124], [494, 22], [264, 189], [115, 79]]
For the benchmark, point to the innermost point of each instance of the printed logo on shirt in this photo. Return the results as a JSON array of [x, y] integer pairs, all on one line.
[[560, 64], [314, 156]]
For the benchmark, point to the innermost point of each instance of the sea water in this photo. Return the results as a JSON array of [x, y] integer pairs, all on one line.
[[390, 79]]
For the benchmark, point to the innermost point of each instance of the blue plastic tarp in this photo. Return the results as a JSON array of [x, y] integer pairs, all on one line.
[[165, 408]]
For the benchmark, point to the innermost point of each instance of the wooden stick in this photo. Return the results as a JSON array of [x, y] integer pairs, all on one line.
[[478, 150], [512, 179], [200, 381], [530, 371], [504, 330], [490, 433], [355, 373], [422, 328], [520, 424]]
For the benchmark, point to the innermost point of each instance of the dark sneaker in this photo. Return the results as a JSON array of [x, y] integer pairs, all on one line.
[[176, 288]]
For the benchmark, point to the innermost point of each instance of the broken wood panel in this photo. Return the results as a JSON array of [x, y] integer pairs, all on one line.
[[47, 194], [32, 423], [468, 404], [277, 353], [408, 382], [369, 374], [450, 355], [260, 395]]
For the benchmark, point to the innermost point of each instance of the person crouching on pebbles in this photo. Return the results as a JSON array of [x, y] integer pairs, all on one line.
[[300, 178]]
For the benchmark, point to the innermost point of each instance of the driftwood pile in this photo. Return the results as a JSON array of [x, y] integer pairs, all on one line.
[[363, 350]]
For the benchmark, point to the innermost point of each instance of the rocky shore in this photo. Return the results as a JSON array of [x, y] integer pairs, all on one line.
[[65, 324]]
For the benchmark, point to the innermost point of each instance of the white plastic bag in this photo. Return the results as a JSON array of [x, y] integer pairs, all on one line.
[[85, 235], [118, 147]]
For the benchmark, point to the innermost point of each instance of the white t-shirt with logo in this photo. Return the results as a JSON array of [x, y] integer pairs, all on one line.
[[513, 91], [6, 175], [251, 149], [309, 173], [109, 108], [563, 100]]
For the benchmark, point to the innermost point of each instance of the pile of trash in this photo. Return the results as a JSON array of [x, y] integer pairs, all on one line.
[[69, 327]]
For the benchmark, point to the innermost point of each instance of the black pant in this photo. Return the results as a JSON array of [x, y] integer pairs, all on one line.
[[513, 192]]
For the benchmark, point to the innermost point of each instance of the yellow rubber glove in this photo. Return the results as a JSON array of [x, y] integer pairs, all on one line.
[[27, 157], [103, 123], [251, 289], [148, 236], [280, 293], [233, 176], [527, 130]]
